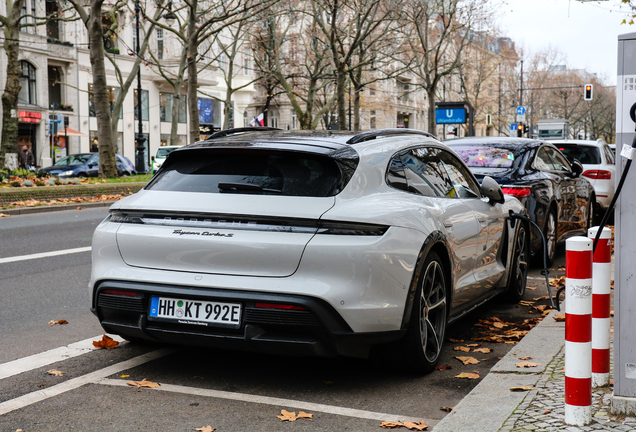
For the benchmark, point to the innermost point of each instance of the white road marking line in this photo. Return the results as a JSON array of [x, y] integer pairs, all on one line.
[[44, 255], [284, 403], [55, 355], [72, 384]]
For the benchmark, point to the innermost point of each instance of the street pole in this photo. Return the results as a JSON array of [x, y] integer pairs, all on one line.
[[349, 106], [141, 148], [521, 89]]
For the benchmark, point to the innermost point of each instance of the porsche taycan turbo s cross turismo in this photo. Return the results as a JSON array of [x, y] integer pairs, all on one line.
[[308, 243]]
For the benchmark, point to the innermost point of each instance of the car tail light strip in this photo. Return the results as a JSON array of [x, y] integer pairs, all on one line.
[[516, 191], [598, 174], [249, 223]]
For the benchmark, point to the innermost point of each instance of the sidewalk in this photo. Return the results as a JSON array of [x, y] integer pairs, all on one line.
[[492, 407]]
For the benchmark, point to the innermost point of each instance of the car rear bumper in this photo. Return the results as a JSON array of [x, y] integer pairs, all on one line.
[[317, 330]]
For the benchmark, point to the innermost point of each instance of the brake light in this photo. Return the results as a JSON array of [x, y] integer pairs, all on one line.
[[118, 292], [279, 306], [517, 192], [598, 174]]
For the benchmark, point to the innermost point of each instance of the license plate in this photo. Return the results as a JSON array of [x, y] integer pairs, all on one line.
[[196, 312]]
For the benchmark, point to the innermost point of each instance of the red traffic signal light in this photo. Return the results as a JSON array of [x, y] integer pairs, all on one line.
[[589, 92]]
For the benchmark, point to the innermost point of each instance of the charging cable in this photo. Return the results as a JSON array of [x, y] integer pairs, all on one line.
[[545, 271]]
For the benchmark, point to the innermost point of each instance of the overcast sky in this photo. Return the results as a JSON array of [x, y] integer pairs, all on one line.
[[585, 32]]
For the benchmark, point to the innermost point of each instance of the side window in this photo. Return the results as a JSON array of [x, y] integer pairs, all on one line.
[[543, 160], [463, 181], [395, 175], [426, 174], [560, 162], [609, 155]]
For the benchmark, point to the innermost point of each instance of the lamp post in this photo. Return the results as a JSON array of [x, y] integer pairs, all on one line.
[[140, 164]]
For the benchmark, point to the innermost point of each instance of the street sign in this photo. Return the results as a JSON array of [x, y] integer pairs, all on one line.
[[521, 110], [521, 118], [513, 129], [450, 115]]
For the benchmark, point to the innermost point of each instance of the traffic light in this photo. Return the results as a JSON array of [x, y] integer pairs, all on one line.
[[520, 130], [589, 92]]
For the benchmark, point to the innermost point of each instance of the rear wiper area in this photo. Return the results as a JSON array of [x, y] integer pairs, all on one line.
[[245, 187]]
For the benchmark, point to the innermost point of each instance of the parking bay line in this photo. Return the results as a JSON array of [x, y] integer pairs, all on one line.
[[44, 254], [72, 384], [54, 355], [279, 402]]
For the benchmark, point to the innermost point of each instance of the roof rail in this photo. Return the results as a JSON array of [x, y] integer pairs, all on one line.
[[226, 132], [371, 135]]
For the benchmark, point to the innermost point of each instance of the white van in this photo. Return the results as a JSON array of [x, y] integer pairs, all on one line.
[[162, 154]]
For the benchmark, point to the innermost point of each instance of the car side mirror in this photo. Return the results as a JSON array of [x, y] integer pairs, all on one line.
[[92, 164], [577, 168], [491, 190]]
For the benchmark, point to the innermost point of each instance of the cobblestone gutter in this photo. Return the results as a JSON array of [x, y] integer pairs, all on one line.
[[47, 193]]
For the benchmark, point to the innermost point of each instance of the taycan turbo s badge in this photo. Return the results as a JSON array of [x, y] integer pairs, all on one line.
[[203, 234]]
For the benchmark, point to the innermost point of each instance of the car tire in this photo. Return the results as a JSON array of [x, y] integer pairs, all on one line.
[[419, 350], [82, 174], [519, 264], [550, 233], [125, 174]]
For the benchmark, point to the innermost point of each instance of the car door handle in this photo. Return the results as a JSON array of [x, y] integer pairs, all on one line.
[[482, 220], [448, 224]]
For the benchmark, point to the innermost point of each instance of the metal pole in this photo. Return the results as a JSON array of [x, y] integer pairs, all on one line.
[[521, 89], [349, 106], [141, 148]]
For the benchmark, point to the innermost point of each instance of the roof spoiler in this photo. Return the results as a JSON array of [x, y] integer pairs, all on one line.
[[371, 135], [227, 132]]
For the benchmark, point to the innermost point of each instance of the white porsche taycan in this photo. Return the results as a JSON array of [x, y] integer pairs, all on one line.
[[307, 243]]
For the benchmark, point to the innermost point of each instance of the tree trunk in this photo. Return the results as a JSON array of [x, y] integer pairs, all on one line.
[[340, 88], [9, 141], [107, 164], [431, 109], [192, 58], [176, 104]]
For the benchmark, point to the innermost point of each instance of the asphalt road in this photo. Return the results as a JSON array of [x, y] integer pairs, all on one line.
[[231, 391]]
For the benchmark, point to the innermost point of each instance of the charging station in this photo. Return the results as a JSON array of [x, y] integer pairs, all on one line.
[[624, 397]]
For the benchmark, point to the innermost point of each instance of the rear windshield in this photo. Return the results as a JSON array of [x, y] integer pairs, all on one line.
[[585, 154], [262, 172], [485, 156]]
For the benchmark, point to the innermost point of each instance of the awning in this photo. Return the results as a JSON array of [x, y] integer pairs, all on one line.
[[70, 132]]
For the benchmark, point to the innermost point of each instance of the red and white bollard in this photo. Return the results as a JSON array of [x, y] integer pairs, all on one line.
[[578, 331], [601, 282]]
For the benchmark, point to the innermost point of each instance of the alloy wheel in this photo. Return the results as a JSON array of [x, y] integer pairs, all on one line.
[[521, 264], [432, 311]]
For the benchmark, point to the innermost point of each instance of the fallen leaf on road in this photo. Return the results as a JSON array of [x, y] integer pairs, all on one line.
[[611, 313], [547, 412], [531, 288], [473, 345], [461, 348], [468, 360], [58, 322], [447, 409], [291, 416], [525, 364], [143, 383], [498, 325], [561, 268], [542, 298], [4, 215], [442, 368], [455, 340], [526, 302], [559, 317], [207, 428], [390, 425], [106, 342], [416, 426], [525, 358], [542, 307], [482, 350], [512, 342], [521, 388], [124, 376], [558, 282], [55, 372], [79, 208], [467, 375]]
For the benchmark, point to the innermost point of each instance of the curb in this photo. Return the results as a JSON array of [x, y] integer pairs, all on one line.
[[487, 407], [53, 208], [47, 193]]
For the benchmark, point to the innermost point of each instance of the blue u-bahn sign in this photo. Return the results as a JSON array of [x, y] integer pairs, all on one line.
[[450, 115]]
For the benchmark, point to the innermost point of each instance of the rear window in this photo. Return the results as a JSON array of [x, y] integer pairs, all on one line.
[[585, 154], [485, 156], [261, 172]]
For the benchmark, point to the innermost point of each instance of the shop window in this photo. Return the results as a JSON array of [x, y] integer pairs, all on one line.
[[28, 90], [113, 94], [165, 107], [144, 105], [181, 140]]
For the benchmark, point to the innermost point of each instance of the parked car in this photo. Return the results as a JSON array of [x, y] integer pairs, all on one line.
[[312, 243], [87, 165], [552, 190], [599, 168], [162, 154], [613, 148]]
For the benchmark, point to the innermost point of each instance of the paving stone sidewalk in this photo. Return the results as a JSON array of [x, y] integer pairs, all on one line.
[[543, 409]]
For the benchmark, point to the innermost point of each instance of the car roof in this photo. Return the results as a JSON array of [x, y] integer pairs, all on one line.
[[504, 142], [597, 143]]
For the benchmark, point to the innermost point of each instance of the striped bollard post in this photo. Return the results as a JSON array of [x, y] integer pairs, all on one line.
[[601, 281], [578, 331]]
